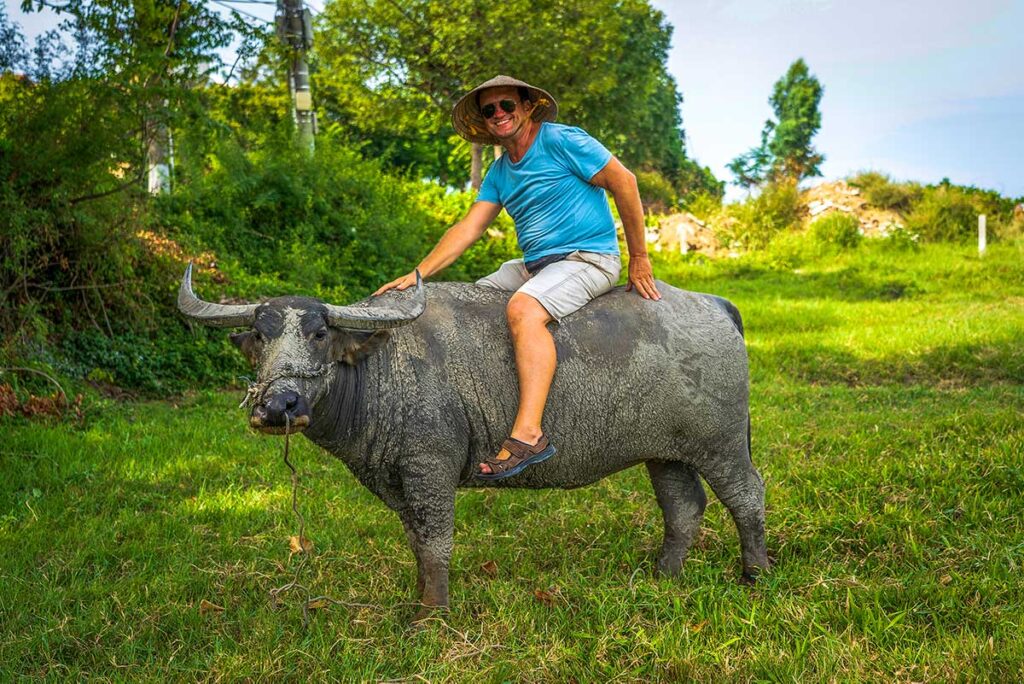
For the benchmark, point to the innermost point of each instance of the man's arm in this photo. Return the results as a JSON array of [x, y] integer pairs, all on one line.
[[452, 244], [621, 183]]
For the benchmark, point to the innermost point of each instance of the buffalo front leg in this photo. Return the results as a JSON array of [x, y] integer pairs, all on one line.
[[739, 486], [429, 519], [682, 501], [414, 545]]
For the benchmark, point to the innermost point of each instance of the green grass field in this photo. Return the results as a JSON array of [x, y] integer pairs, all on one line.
[[887, 401]]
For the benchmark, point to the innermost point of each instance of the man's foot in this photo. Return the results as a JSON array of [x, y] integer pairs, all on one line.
[[514, 457]]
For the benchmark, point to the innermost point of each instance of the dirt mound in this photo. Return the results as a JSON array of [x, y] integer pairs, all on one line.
[[839, 196], [685, 232]]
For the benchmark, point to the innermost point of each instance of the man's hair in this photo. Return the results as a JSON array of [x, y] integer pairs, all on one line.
[[524, 95]]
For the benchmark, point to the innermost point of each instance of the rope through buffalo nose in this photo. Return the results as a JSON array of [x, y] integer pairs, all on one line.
[[257, 391]]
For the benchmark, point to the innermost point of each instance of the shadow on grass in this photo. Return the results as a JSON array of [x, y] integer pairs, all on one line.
[[968, 364], [850, 284]]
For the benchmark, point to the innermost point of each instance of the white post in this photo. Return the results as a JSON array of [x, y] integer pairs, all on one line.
[[981, 234]]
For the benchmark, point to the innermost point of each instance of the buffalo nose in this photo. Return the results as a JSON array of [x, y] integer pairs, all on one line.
[[279, 410]]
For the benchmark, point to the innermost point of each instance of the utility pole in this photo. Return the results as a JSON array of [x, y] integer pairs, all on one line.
[[295, 28], [159, 151]]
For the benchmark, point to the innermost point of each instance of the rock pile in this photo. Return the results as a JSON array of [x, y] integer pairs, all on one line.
[[827, 198], [684, 233]]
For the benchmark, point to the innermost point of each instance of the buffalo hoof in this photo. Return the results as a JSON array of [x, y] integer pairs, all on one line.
[[751, 574], [669, 565]]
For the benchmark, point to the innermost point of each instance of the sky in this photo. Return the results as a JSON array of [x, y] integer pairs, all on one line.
[[918, 89]]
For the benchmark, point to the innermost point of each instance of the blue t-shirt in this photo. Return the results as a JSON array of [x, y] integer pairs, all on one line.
[[548, 194]]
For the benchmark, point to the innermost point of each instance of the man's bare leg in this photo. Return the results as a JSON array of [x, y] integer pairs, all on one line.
[[535, 365]]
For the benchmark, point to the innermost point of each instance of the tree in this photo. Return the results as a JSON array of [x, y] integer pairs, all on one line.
[[389, 71], [786, 152], [77, 122]]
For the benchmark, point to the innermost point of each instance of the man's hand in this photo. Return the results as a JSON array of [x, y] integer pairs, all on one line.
[[641, 277], [408, 280]]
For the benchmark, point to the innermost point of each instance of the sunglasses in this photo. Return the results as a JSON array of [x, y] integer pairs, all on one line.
[[488, 110]]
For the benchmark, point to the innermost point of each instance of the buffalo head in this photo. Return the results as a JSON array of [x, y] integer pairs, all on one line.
[[296, 343]]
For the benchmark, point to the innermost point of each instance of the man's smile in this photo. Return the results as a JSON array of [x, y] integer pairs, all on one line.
[[503, 123]]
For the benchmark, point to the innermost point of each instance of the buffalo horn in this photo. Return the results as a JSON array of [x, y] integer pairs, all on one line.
[[207, 313], [379, 318]]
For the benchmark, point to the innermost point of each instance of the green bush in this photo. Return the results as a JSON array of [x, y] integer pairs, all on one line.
[[899, 238], [944, 213], [170, 361], [836, 230], [880, 191], [704, 206], [499, 243], [69, 255], [331, 225], [754, 223], [787, 251], [327, 224]]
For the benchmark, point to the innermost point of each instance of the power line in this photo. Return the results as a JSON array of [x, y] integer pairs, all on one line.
[[224, 3], [316, 10]]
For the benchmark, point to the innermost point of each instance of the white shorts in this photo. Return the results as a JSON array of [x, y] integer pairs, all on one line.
[[562, 287]]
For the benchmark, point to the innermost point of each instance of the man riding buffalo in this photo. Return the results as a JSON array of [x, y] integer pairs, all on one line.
[[552, 179]]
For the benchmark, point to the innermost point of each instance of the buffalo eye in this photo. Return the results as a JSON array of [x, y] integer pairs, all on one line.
[[320, 335]]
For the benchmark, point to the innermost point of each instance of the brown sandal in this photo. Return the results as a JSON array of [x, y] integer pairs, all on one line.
[[516, 456]]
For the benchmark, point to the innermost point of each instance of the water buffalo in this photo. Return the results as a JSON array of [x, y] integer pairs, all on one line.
[[412, 397]]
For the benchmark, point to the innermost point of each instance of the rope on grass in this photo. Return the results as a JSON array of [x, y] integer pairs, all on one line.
[[255, 393], [294, 584], [310, 602]]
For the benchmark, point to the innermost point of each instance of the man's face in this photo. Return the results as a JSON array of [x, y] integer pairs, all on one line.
[[504, 125]]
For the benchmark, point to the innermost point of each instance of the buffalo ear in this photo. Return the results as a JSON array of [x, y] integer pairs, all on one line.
[[248, 343], [350, 347]]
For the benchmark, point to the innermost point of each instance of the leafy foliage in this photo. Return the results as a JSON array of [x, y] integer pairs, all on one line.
[[836, 230], [786, 152], [754, 223], [332, 225], [944, 213], [656, 192], [948, 212], [70, 179], [389, 74], [881, 191]]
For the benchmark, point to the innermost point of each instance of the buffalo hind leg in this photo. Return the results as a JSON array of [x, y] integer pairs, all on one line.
[[682, 500], [736, 482]]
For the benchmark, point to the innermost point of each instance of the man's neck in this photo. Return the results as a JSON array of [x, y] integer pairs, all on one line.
[[519, 145]]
